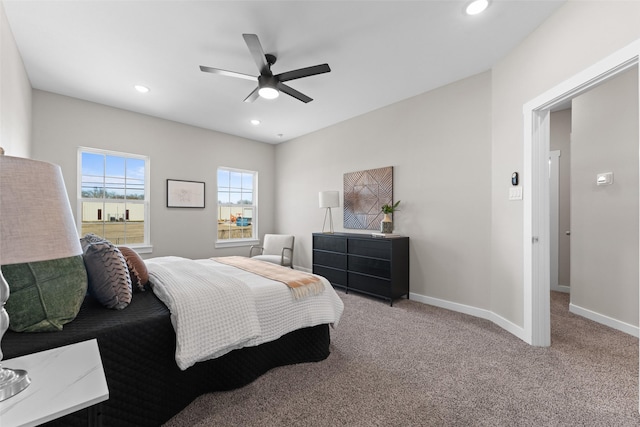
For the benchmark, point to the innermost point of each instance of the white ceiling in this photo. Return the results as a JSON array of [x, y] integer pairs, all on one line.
[[380, 52]]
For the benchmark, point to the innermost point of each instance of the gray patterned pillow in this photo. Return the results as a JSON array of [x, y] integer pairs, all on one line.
[[109, 280]]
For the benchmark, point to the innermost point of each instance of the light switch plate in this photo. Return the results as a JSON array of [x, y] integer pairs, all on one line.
[[605, 178], [515, 193]]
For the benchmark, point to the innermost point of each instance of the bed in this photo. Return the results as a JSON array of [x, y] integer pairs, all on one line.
[[138, 349]]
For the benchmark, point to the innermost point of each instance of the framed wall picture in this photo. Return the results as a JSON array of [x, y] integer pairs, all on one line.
[[364, 194], [185, 194]]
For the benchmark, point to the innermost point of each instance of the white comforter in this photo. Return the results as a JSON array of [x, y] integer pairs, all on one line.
[[216, 308]]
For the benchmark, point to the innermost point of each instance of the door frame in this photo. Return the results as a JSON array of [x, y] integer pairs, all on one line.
[[536, 235]]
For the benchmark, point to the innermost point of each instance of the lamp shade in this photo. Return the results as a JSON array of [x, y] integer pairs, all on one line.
[[329, 199], [36, 221]]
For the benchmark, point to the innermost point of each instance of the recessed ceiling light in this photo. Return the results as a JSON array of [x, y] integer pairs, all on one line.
[[255, 122], [476, 7], [141, 88]]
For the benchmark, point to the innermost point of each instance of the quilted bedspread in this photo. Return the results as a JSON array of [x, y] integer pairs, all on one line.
[[216, 308]]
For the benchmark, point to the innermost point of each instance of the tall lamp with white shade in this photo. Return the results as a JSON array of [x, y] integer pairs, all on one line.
[[328, 200], [36, 224]]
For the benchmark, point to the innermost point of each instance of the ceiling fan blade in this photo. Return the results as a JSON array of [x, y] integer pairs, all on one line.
[[253, 43], [228, 73], [303, 72], [253, 95], [292, 92]]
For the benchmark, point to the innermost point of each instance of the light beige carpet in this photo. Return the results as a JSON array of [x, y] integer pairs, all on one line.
[[417, 365]]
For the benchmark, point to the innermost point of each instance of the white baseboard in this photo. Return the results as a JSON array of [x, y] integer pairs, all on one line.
[[605, 320], [505, 324], [562, 288], [511, 327]]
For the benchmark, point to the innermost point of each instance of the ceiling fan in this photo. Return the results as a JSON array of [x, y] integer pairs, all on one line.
[[269, 85]]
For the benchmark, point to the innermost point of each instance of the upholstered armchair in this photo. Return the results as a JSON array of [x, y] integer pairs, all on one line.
[[276, 248]]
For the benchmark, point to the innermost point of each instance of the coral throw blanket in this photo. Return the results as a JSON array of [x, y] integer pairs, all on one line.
[[301, 284]]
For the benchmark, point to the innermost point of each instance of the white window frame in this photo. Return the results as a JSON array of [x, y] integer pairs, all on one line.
[[253, 240], [145, 247]]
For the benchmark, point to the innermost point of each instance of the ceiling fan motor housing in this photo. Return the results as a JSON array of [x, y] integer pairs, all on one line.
[[267, 81], [271, 59]]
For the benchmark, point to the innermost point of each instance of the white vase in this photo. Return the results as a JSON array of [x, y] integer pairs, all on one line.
[[386, 225]]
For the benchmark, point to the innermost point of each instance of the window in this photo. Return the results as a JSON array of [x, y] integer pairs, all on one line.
[[237, 205], [113, 196]]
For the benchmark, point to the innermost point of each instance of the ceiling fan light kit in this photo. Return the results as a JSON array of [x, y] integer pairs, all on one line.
[[268, 93], [269, 85]]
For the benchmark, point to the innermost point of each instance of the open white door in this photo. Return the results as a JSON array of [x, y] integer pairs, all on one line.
[[554, 217]]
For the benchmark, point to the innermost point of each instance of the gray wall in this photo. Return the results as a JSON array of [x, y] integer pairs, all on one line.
[[15, 96], [62, 124], [604, 235], [439, 144]]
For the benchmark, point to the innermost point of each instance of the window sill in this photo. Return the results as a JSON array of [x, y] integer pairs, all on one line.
[[142, 249], [236, 243]]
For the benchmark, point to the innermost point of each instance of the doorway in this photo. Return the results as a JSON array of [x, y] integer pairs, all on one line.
[[536, 232]]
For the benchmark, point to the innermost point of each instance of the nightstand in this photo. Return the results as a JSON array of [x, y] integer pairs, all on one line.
[[63, 380]]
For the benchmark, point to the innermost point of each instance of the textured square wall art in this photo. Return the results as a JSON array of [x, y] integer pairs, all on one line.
[[364, 194]]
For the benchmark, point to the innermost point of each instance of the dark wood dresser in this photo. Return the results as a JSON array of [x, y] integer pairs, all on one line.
[[362, 263]]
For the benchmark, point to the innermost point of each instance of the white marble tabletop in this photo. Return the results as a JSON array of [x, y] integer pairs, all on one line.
[[63, 380]]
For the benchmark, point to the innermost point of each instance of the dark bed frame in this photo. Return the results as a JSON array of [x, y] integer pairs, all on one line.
[[137, 347]]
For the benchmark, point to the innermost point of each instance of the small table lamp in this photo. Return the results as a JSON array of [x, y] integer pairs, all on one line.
[[36, 224], [329, 199]]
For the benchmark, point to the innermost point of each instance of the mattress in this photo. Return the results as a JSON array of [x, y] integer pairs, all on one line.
[[218, 307]]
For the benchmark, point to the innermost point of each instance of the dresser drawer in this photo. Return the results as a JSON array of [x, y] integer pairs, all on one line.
[[375, 248], [330, 259], [370, 285], [326, 243], [370, 266], [335, 277]]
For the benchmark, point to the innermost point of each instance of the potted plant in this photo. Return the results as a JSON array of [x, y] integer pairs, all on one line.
[[386, 225]]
